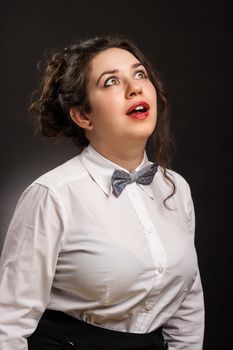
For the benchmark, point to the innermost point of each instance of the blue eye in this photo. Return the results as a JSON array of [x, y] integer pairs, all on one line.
[[111, 81], [140, 74]]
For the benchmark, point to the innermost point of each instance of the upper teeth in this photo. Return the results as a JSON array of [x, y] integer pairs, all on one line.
[[139, 107]]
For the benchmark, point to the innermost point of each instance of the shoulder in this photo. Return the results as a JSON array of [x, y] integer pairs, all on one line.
[[182, 195], [53, 187], [70, 171], [179, 181]]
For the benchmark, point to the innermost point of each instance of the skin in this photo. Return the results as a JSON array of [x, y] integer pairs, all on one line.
[[113, 133]]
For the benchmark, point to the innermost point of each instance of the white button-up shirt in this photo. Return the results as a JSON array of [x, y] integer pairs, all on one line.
[[125, 263]]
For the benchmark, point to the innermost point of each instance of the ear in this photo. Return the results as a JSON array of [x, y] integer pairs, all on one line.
[[80, 118]]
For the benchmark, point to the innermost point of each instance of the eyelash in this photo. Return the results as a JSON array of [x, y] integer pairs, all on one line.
[[115, 78]]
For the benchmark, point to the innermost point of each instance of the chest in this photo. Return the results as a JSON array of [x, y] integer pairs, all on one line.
[[113, 246]]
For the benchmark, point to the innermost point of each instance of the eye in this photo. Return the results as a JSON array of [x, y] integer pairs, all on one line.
[[111, 81], [140, 74]]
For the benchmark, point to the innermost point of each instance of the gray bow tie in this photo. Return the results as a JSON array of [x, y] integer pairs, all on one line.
[[121, 178]]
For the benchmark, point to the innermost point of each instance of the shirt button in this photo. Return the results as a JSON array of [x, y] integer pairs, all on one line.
[[158, 270], [148, 230], [148, 307]]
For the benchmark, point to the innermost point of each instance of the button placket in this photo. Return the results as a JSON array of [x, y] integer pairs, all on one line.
[[154, 241], [139, 207]]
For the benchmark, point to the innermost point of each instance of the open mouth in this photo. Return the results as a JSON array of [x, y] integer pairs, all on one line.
[[138, 110]]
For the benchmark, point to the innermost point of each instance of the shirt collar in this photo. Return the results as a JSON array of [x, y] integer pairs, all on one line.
[[101, 169]]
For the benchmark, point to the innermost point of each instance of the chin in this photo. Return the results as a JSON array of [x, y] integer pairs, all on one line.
[[145, 131], [140, 136], [141, 131]]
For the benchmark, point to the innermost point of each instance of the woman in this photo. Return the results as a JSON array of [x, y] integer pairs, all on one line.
[[100, 252]]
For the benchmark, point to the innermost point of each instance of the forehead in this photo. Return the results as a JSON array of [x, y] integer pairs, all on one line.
[[113, 58]]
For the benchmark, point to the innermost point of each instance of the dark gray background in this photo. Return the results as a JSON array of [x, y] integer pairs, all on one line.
[[189, 43]]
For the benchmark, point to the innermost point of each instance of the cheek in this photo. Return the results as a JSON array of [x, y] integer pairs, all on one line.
[[103, 102], [102, 113], [153, 93], [106, 105], [154, 98], [114, 96]]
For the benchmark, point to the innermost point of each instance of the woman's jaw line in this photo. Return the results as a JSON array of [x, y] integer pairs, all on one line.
[[128, 156]]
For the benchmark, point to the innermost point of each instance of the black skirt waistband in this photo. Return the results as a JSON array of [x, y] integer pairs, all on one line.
[[57, 330]]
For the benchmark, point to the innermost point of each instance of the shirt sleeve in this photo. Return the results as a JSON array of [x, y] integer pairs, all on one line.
[[28, 264], [185, 329]]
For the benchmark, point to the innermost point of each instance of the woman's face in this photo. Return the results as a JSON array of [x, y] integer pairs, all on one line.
[[122, 99]]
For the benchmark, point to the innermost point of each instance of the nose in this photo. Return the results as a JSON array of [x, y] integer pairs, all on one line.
[[133, 89]]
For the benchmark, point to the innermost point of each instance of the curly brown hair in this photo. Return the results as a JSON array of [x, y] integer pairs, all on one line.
[[64, 85]]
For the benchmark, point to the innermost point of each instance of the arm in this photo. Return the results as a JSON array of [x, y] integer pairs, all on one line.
[[28, 265], [184, 330]]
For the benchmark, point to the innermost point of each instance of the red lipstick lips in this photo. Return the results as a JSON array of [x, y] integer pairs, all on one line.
[[139, 110]]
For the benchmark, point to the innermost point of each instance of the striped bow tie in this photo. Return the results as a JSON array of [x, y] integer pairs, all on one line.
[[121, 178]]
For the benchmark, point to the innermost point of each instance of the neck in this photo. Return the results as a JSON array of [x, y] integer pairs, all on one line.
[[127, 157]]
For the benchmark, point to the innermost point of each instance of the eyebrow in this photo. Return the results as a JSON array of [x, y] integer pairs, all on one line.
[[135, 65]]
